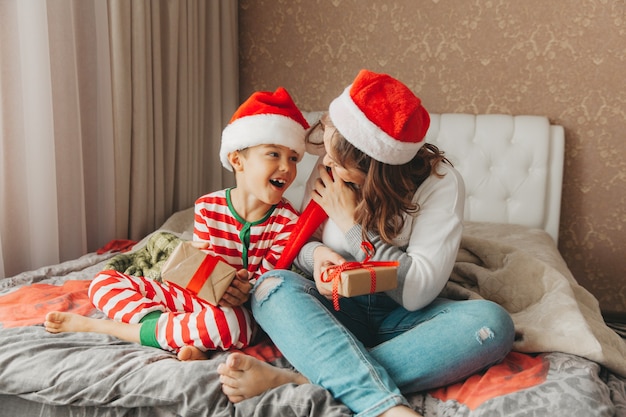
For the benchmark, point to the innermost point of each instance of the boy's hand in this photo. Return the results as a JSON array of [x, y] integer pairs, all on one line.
[[199, 244], [239, 290]]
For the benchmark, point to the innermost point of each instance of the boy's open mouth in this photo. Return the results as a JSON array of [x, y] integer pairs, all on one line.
[[278, 183]]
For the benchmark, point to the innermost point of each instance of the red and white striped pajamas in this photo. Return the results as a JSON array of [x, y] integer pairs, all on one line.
[[187, 319]]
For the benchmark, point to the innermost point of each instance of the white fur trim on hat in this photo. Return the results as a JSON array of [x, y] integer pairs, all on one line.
[[261, 129], [366, 136]]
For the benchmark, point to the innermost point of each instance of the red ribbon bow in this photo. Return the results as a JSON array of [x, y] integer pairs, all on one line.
[[333, 273]]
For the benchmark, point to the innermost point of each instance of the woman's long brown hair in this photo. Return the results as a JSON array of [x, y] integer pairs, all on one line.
[[388, 190]]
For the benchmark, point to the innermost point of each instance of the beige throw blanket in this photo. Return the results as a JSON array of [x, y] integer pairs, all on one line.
[[522, 270]]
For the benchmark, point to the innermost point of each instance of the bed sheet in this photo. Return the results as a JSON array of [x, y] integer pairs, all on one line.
[[90, 374]]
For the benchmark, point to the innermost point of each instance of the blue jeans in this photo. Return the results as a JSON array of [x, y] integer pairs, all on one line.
[[372, 350]]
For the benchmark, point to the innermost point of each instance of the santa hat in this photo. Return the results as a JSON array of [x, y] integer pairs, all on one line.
[[265, 118], [381, 117]]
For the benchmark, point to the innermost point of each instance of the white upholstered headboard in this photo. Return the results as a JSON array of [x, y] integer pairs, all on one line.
[[512, 166]]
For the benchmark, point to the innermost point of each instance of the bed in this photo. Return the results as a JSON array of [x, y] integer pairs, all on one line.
[[566, 361]]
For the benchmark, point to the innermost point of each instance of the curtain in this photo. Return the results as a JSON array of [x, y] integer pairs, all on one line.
[[110, 119]]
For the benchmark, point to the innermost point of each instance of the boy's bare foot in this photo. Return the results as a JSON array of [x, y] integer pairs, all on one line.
[[59, 322], [191, 353], [243, 376]]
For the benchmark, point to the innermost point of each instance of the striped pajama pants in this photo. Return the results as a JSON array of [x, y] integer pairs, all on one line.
[[186, 319]]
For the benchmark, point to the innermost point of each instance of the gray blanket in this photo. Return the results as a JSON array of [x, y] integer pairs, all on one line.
[[84, 374], [90, 375]]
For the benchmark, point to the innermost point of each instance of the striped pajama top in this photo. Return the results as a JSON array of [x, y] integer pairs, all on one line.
[[255, 246]]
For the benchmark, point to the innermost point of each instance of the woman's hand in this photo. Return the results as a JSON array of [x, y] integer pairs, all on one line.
[[324, 257], [336, 197], [239, 290]]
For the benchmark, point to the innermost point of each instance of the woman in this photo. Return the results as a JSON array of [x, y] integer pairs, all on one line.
[[386, 187]]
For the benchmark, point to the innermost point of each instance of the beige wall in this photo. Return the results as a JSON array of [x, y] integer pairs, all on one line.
[[565, 59]]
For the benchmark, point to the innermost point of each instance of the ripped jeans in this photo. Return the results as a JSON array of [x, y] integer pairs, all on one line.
[[372, 350]]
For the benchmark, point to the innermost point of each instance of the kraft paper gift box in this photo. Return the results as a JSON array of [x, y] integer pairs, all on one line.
[[358, 281], [204, 275]]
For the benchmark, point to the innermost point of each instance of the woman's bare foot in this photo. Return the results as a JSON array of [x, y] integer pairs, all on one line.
[[243, 376], [191, 353]]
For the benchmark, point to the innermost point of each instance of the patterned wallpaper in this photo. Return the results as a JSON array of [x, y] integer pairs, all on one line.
[[564, 58]]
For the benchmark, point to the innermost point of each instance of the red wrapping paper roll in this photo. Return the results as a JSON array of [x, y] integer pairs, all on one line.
[[310, 219]]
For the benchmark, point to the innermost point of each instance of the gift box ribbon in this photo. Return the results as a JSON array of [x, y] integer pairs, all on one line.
[[333, 273], [201, 275]]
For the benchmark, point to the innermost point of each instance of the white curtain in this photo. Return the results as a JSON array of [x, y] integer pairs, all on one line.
[[110, 119]]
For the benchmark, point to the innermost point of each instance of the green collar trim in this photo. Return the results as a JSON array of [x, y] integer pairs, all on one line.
[[244, 233]]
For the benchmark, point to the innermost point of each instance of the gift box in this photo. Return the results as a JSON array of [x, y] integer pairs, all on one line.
[[200, 273], [360, 280]]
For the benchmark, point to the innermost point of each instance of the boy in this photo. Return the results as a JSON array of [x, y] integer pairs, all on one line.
[[247, 226]]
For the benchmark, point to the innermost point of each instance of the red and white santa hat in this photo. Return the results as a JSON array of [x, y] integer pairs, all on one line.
[[265, 118], [381, 117]]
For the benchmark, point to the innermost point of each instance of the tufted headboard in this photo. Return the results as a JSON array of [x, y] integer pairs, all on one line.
[[512, 166]]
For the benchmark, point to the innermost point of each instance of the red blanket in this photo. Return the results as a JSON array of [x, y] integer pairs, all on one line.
[[29, 305], [516, 372]]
